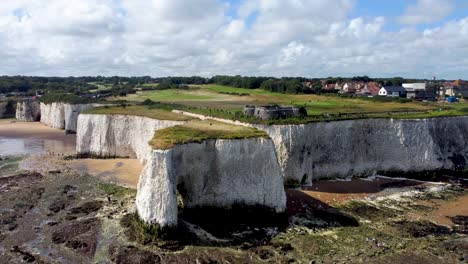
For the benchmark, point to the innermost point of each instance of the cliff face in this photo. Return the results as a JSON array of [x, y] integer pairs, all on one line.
[[3, 109], [62, 115], [71, 113], [28, 111], [117, 135], [53, 115], [7, 109], [215, 173], [363, 147]]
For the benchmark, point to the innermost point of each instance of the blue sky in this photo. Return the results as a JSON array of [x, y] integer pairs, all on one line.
[[390, 9], [310, 38]]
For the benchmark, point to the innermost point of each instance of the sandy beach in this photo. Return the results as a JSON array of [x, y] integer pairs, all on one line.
[[124, 172], [12, 129]]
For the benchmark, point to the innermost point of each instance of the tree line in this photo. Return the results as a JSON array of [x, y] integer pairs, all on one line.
[[124, 85]]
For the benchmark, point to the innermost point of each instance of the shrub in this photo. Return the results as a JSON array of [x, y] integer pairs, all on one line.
[[66, 98]]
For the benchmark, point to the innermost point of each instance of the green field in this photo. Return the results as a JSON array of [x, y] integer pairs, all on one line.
[[100, 87], [213, 97], [226, 102]]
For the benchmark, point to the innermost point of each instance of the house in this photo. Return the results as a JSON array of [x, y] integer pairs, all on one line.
[[420, 91], [329, 87], [348, 88], [392, 91], [456, 89], [308, 84], [370, 89]]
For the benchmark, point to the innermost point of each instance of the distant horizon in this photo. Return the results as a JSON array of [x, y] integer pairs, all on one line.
[[177, 76], [412, 39]]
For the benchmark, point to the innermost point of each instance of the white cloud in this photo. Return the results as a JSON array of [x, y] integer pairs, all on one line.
[[198, 37], [427, 11]]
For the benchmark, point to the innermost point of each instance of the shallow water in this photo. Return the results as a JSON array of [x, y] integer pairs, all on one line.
[[23, 138], [27, 146]]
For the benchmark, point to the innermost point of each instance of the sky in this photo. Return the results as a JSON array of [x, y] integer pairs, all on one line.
[[309, 38]]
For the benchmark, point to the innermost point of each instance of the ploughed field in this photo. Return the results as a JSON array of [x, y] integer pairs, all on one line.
[[60, 214]]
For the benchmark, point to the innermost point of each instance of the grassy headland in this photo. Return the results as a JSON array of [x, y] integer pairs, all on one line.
[[196, 131], [139, 110]]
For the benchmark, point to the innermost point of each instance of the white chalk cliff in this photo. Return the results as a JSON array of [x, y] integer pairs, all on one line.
[[28, 111], [363, 147], [117, 135], [222, 173], [62, 115], [216, 173]]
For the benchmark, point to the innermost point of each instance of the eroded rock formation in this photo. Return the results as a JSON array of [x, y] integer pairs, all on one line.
[[364, 147], [118, 135], [62, 115], [216, 173], [28, 111]]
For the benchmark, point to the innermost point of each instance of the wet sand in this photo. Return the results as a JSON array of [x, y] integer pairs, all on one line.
[[124, 172], [339, 192], [447, 209], [24, 138], [10, 128]]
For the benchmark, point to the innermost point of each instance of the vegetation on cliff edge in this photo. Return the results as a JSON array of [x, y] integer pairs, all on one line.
[[139, 110], [198, 131], [66, 98]]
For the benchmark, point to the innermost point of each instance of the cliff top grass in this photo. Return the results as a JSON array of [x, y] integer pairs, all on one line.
[[227, 98], [66, 98], [139, 110], [197, 131]]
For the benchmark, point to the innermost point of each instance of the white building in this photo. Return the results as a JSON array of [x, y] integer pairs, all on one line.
[[414, 86], [392, 91]]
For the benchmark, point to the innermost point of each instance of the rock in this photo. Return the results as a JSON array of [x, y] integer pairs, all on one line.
[[216, 173], [362, 147], [117, 135], [213, 174], [7, 109], [63, 115], [28, 111], [132, 254]]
